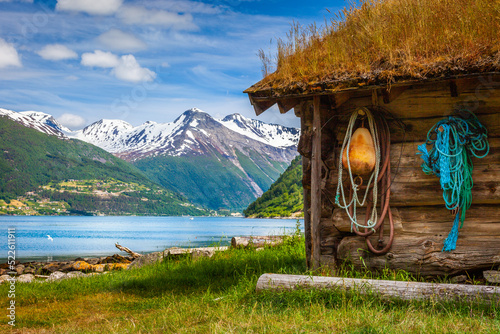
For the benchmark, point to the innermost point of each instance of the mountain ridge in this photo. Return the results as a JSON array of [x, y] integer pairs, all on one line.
[[240, 153]]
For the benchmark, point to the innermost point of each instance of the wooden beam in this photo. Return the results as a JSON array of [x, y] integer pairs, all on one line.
[[316, 184], [285, 105], [375, 97], [340, 98], [260, 106], [384, 288], [453, 88], [391, 94]]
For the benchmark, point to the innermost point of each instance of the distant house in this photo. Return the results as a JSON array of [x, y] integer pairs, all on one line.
[[410, 68]]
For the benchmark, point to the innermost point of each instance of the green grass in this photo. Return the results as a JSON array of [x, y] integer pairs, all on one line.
[[217, 295]]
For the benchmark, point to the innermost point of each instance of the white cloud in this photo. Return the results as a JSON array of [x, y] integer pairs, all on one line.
[[8, 55], [129, 69], [93, 7], [121, 41], [125, 68], [140, 15], [72, 121], [57, 52], [100, 59]]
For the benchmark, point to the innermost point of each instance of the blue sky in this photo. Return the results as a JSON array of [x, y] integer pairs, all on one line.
[[83, 60]]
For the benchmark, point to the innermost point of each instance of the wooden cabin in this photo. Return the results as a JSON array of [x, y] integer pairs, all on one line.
[[411, 97]]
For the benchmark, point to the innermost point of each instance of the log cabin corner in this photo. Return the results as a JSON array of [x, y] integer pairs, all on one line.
[[410, 95]]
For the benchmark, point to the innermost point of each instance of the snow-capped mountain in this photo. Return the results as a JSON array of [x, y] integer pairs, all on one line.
[[37, 120], [217, 163], [193, 132]]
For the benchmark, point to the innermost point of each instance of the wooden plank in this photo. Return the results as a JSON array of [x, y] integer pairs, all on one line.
[[422, 254], [383, 288], [260, 105], [481, 220], [316, 165], [416, 129], [479, 95], [316, 184], [412, 187], [285, 105]]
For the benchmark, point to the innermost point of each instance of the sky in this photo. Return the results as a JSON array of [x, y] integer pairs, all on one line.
[[138, 60]]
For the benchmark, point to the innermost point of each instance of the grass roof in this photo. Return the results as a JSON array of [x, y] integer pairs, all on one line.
[[383, 42]]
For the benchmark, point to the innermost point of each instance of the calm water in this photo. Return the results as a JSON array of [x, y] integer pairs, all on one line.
[[96, 236]]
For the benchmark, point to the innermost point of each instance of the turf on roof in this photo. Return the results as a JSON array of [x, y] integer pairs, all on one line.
[[382, 42]]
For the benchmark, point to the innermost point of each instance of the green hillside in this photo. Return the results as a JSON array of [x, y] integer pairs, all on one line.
[[213, 181], [284, 198], [30, 161]]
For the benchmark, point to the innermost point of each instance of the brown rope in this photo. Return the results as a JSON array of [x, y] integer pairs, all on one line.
[[384, 179]]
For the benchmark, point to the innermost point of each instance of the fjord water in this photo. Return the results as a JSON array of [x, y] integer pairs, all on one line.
[[81, 236]]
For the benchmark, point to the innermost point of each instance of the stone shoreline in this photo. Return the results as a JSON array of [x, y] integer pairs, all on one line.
[[56, 270]]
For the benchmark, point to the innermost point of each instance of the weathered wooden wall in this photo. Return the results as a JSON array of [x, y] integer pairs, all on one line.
[[421, 220]]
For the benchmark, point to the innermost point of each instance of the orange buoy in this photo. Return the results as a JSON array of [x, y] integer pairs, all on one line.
[[361, 153]]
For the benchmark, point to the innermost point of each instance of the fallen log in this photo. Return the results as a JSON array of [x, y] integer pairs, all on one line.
[[384, 288], [256, 241], [130, 252]]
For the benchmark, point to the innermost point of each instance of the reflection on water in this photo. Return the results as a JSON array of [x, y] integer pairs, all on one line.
[[96, 236]]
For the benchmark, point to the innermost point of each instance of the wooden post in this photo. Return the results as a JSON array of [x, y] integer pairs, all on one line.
[[316, 184]]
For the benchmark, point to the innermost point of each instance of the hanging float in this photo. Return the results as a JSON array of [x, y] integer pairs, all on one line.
[[364, 157]]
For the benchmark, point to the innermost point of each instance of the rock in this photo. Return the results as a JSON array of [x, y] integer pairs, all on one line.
[[3, 272], [99, 268], [81, 265], [57, 276], [4, 278], [67, 266], [492, 276], [25, 278], [29, 270], [75, 274], [19, 269], [196, 254], [92, 260], [115, 259], [146, 259], [51, 267], [118, 266], [458, 279]]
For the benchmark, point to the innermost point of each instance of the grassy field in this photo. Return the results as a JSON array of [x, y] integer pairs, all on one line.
[[217, 295]]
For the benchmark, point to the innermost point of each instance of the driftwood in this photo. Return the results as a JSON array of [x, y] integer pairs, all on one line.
[[200, 251], [256, 241], [130, 252], [384, 288]]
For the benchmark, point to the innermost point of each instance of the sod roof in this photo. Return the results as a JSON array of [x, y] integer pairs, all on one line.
[[385, 42]]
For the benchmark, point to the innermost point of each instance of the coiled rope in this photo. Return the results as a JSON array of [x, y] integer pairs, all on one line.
[[381, 174], [457, 139]]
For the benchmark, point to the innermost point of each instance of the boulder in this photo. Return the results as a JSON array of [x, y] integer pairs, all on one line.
[[75, 274], [4, 272], [198, 253], [19, 269], [99, 268], [57, 276], [4, 278], [81, 265], [146, 259], [51, 267], [492, 276], [92, 260], [68, 266], [29, 270], [25, 278]]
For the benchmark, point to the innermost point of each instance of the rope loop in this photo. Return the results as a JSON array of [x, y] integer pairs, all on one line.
[[454, 141]]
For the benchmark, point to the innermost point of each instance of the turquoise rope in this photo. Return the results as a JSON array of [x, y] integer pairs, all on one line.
[[458, 139]]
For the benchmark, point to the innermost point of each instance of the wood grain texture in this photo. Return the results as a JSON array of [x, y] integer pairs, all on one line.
[[383, 288], [423, 255]]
